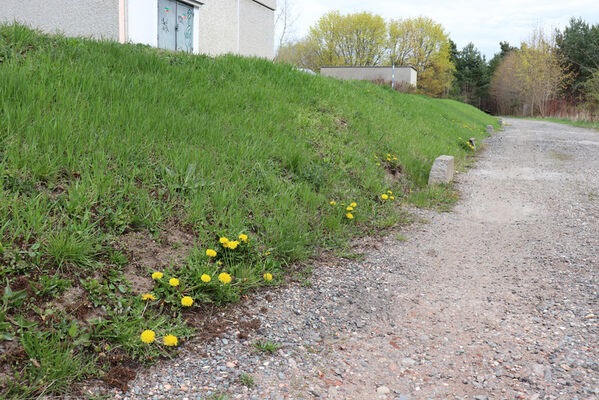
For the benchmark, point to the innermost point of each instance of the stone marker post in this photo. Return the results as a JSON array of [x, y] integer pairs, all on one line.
[[490, 129], [442, 170]]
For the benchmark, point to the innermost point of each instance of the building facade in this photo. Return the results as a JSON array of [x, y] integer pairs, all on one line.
[[212, 27]]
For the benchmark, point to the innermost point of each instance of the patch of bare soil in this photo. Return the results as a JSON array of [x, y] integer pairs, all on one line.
[[146, 253]]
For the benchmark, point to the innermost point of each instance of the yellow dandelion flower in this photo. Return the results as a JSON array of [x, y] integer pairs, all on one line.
[[186, 301], [170, 340], [394, 158], [390, 192], [219, 262], [349, 216], [385, 197], [459, 138], [157, 275], [333, 202], [148, 296], [353, 205], [173, 282], [388, 159], [243, 238], [268, 277], [378, 164], [205, 278], [223, 240], [233, 245], [224, 277], [350, 209], [211, 253], [388, 155], [392, 197], [148, 336], [267, 253]]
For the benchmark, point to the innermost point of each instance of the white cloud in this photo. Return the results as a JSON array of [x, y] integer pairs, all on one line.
[[485, 23]]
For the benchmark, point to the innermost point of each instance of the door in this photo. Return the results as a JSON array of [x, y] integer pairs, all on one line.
[[184, 27], [175, 26], [167, 24]]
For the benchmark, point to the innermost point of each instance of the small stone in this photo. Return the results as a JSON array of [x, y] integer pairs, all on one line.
[[480, 397], [408, 362], [565, 367], [590, 316], [538, 369], [225, 341], [332, 392], [383, 390]]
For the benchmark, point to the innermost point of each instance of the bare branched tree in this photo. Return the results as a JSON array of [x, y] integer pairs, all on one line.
[[285, 19]]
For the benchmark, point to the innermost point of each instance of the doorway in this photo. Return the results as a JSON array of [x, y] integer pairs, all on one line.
[[175, 26]]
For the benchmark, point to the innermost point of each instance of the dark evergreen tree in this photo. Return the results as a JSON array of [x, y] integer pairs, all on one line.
[[579, 44], [472, 77]]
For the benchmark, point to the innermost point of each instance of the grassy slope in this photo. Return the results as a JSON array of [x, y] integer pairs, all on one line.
[[101, 139]]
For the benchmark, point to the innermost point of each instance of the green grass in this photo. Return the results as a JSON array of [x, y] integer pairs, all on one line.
[[247, 380], [268, 346], [99, 140], [580, 123]]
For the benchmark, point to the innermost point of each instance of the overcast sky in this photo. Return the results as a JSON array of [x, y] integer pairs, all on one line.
[[485, 23]]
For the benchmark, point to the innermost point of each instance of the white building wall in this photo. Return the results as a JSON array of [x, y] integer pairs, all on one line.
[[90, 18], [218, 22], [402, 74], [256, 29], [142, 22]]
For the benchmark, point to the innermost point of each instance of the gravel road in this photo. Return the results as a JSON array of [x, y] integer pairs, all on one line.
[[496, 300]]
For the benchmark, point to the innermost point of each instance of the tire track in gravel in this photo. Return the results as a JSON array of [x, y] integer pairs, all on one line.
[[496, 300]]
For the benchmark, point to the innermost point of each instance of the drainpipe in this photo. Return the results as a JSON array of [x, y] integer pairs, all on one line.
[[122, 21]]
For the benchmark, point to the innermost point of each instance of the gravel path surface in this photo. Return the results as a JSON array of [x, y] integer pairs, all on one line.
[[497, 300]]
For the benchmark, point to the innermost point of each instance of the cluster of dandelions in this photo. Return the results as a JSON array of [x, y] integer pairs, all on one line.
[[390, 158], [465, 144], [388, 195], [348, 209], [226, 257], [172, 288], [148, 336]]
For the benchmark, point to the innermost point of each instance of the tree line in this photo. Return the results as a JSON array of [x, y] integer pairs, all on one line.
[[551, 72]]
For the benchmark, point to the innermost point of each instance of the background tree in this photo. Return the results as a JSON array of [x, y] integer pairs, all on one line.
[[285, 20], [494, 62], [530, 77], [352, 39], [302, 53], [504, 87], [579, 45], [472, 77], [423, 44]]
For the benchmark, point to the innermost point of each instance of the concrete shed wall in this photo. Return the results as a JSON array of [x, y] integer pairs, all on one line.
[[218, 22], [95, 18], [256, 29], [402, 74]]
